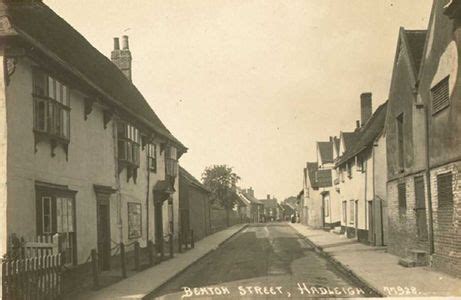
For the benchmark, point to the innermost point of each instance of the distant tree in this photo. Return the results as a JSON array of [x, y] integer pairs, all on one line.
[[222, 182]]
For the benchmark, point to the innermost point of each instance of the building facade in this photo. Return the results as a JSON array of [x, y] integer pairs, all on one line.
[[84, 155], [361, 170]]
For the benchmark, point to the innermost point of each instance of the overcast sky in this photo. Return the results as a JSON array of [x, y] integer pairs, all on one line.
[[253, 84]]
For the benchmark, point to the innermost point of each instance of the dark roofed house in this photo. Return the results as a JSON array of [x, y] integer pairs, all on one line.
[[256, 206], [271, 208], [364, 152]]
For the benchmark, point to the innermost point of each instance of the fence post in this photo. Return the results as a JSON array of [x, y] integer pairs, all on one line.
[[122, 257], [94, 265], [55, 242], [150, 254], [192, 242], [136, 255], [171, 245], [179, 242]]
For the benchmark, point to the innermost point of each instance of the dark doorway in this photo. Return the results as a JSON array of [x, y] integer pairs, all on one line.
[[158, 224], [371, 229], [420, 208], [103, 215]]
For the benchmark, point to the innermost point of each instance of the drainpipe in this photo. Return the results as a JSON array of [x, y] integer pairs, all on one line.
[[147, 191], [428, 183]]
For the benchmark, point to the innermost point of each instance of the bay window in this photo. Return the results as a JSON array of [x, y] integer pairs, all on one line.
[[51, 106], [171, 163], [128, 143]]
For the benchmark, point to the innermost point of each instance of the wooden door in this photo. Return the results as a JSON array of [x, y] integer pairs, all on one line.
[[158, 224], [103, 215], [371, 229], [420, 209]]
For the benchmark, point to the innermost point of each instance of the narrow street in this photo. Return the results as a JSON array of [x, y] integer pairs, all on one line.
[[264, 260]]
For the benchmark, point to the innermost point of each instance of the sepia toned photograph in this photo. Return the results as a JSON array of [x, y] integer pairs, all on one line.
[[230, 149]]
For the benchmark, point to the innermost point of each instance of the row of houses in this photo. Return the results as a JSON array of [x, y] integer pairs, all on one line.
[[83, 155], [254, 210], [393, 181]]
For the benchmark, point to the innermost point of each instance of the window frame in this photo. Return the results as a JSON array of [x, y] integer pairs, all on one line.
[[129, 139], [54, 193], [56, 109], [446, 204], [443, 104], [402, 197], [152, 157]]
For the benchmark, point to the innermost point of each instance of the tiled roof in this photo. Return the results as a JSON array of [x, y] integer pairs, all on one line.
[[49, 34], [367, 134], [349, 139], [416, 40], [251, 198], [326, 151], [192, 180]]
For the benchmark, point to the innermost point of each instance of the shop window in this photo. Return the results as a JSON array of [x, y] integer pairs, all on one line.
[[55, 210]]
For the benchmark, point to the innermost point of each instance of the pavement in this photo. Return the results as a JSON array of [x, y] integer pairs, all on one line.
[[379, 269], [141, 284]]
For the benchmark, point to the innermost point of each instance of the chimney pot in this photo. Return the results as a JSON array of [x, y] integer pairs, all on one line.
[[122, 58], [357, 123], [365, 107], [268, 196], [116, 44], [125, 43], [331, 139]]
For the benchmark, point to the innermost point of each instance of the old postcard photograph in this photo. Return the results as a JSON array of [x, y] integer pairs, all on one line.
[[230, 149]]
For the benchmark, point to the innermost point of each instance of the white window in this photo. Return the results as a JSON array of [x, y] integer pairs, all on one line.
[[46, 215], [51, 106]]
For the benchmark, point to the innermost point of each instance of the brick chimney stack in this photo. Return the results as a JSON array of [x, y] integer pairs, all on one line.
[[251, 192], [365, 107], [122, 57]]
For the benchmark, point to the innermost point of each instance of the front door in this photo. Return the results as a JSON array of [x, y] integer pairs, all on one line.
[[371, 229], [420, 208], [158, 224], [103, 215]]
